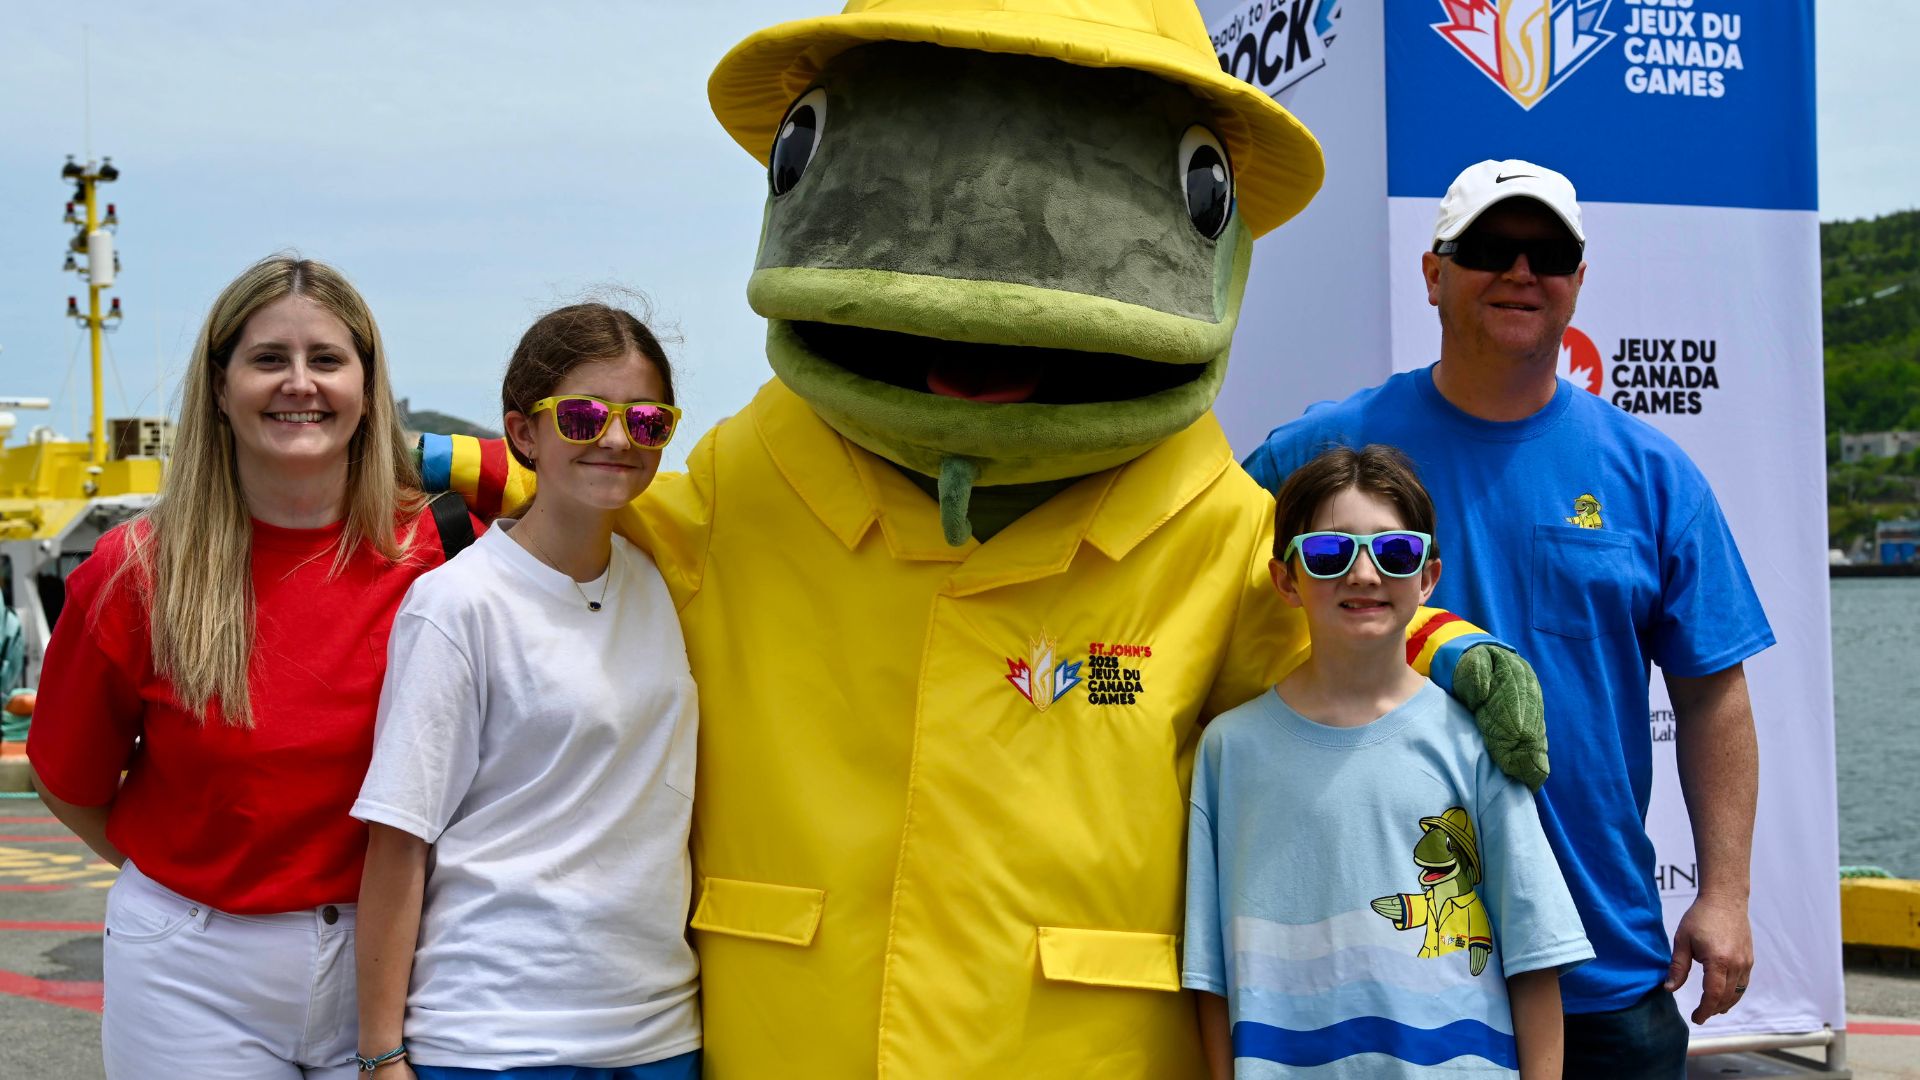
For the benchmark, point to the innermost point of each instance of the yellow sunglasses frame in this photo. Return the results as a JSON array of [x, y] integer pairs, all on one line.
[[615, 410]]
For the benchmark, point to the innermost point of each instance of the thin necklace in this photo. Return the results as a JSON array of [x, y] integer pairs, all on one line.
[[606, 580]]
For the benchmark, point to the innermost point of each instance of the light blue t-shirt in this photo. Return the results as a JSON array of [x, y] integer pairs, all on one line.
[[1589, 542], [1339, 955]]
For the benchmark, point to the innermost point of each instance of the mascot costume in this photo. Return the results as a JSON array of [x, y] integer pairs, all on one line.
[[962, 583]]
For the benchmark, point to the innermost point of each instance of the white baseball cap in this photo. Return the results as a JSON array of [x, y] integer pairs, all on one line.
[[1480, 186]]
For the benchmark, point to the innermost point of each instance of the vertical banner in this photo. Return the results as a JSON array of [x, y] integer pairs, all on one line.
[[1688, 128]]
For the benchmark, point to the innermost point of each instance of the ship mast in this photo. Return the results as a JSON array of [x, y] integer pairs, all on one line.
[[94, 241]]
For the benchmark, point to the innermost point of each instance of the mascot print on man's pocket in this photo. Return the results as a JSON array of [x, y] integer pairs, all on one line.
[[1448, 859], [1586, 513]]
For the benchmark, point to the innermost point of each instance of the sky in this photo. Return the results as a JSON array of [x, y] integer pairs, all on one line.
[[472, 165]]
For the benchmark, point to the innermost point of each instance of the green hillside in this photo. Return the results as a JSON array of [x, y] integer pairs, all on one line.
[[1870, 301], [440, 423]]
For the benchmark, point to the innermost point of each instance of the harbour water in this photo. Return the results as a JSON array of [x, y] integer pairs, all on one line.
[[1876, 701]]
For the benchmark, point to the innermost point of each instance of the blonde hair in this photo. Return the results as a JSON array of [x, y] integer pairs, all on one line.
[[192, 549]]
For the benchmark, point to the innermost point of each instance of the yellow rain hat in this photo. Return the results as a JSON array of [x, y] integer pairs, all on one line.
[[1276, 161]]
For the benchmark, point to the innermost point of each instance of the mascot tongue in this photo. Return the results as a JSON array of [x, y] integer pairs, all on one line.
[[974, 380]]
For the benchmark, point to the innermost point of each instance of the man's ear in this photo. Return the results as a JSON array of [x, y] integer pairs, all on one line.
[[1429, 577], [520, 433], [1430, 269], [1282, 574]]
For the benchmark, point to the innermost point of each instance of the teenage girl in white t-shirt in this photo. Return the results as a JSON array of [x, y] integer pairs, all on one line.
[[524, 907]]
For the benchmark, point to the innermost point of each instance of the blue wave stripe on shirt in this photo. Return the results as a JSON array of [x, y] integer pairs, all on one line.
[[1375, 1035]]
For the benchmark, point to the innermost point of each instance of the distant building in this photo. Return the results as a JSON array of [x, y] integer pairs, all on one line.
[[1881, 444], [1897, 541]]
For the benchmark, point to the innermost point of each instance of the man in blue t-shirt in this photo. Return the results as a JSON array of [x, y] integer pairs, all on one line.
[[1590, 542]]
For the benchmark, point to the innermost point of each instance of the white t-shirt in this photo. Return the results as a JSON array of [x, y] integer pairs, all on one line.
[[546, 751]]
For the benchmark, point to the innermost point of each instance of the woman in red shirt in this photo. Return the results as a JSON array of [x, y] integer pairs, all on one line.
[[225, 650]]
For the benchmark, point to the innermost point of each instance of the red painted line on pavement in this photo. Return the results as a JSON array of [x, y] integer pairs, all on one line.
[[74, 995], [22, 838], [31, 888], [1858, 1028], [29, 821], [63, 927]]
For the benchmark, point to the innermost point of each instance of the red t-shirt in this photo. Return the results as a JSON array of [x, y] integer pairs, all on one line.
[[248, 820]]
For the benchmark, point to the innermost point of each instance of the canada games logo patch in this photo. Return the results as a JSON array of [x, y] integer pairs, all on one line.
[[1529, 48], [1040, 676]]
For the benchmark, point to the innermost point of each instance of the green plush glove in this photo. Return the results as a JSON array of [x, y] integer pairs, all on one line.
[[1504, 694]]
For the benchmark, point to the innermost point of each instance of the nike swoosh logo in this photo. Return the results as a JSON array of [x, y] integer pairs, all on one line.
[[1498, 179]]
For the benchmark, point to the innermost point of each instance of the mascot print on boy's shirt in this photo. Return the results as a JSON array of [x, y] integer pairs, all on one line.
[[1446, 905], [1001, 259]]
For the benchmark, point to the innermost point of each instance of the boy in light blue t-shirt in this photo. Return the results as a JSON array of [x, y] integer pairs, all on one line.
[[1367, 894]]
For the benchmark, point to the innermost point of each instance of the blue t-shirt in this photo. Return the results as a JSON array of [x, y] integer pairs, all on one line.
[[1590, 542], [1344, 884]]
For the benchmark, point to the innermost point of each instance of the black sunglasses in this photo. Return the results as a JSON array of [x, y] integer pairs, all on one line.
[[1496, 254]]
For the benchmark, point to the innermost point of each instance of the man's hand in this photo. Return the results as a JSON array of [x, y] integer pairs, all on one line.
[[1717, 934], [1718, 756], [1504, 694]]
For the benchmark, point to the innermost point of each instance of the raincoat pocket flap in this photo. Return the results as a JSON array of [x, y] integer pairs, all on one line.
[[753, 909], [1109, 958]]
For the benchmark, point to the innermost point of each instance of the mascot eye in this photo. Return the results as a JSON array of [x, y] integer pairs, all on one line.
[[797, 139], [1206, 179]]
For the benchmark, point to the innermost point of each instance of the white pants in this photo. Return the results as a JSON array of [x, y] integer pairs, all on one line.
[[194, 992]]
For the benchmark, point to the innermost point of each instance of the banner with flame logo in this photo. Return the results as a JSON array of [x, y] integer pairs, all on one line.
[[1687, 127]]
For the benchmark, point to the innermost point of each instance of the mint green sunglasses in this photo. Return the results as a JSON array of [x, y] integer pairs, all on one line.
[[1400, 553]]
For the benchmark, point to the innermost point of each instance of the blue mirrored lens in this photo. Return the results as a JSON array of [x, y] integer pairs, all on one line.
[[1399, 554], [1326, 556]]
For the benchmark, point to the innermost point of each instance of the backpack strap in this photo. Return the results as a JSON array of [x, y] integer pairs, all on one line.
[[450, 516]]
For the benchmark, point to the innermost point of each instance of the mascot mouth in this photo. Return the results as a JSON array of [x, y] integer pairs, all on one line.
[[991, 374]]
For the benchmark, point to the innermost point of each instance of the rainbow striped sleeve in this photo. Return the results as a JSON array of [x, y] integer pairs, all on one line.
[[481, 470], [1437, 639]]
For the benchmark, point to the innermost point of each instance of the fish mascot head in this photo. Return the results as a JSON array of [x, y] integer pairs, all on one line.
[[1004, 244]]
